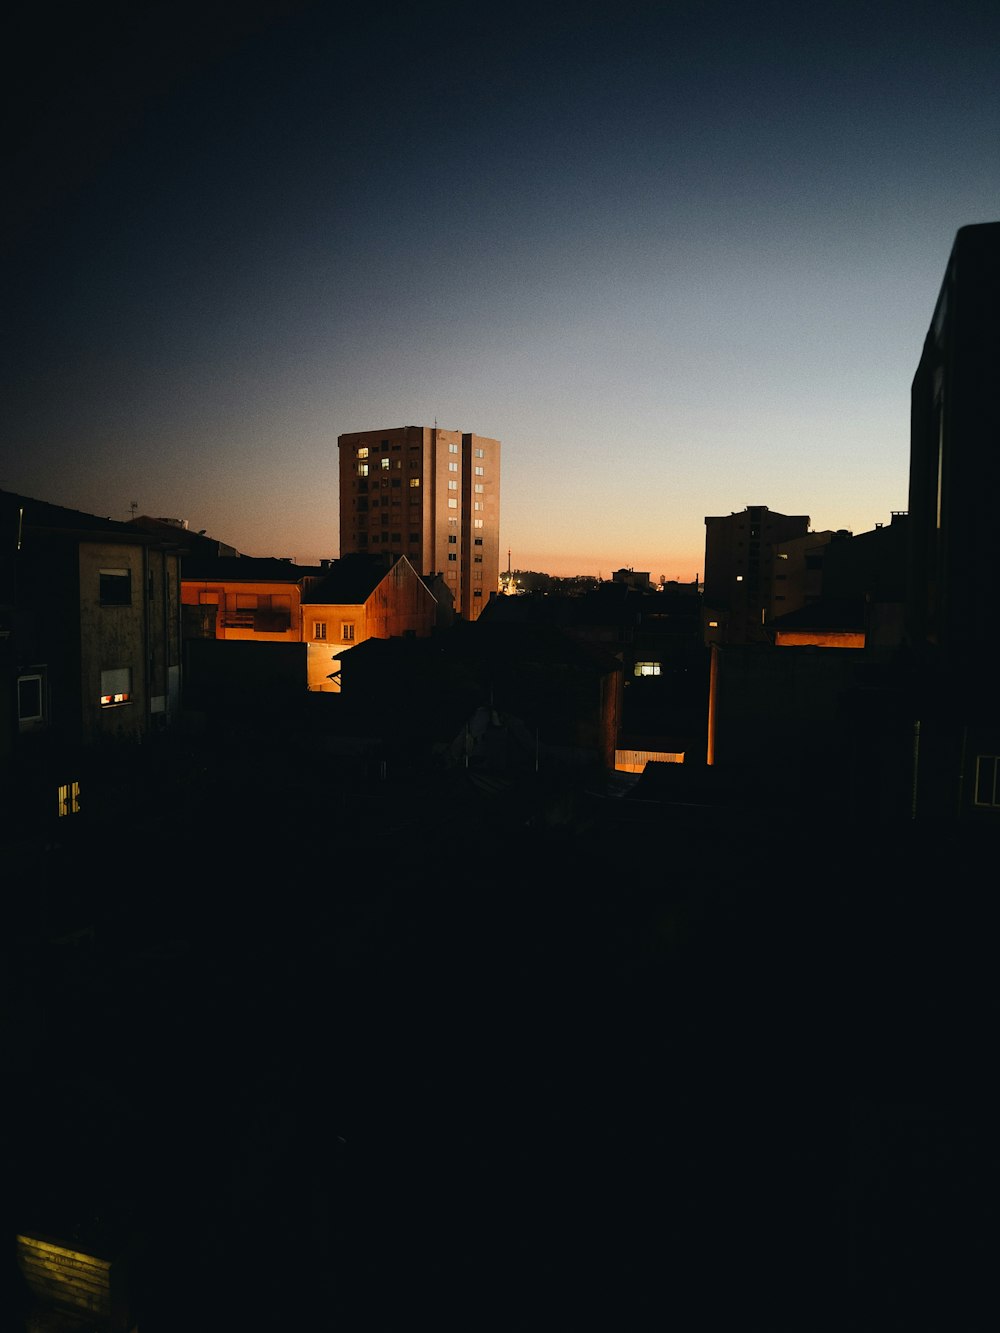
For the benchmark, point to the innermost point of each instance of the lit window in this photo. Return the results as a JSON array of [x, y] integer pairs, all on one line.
[[452, 504], [782, 555], [30, 701], [988, 780], [647, 668], [480, 471], [363, 452], [479, 488], [319, 629], [453, 448], [453, 485], [347, 632], [362, 469], [452, 467], [477, 522], [414, 482], [116, 587], [385, 465], [739, 578], [116, 687], [713, 624], [69, 799]]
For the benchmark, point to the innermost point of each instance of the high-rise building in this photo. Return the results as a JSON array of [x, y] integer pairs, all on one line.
[[431, 495], [740, 558]]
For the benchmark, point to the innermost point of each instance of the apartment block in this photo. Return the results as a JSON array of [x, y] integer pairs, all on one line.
[[740, 562], [432, 495]]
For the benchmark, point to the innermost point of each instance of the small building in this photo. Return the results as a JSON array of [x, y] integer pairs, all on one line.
[[90, 642]]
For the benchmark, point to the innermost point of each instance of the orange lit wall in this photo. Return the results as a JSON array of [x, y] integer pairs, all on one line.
[[805, 638]]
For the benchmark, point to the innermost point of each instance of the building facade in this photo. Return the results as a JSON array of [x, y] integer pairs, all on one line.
[[429, 494], [740, 558]]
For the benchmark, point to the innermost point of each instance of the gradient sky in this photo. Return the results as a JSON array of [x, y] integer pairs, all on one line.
[[678, 258]]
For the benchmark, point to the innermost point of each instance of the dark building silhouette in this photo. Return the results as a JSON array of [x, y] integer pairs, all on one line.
[[739, 569], [952, 622]]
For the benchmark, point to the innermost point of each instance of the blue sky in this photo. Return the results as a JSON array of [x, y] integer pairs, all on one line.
[[677, 258]]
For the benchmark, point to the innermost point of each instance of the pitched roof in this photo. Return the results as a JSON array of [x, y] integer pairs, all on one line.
[[42, 514], [351, 580]]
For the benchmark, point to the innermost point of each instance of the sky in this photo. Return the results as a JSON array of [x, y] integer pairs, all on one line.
[[678, 258]]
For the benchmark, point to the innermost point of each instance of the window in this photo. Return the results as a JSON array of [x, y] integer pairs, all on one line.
[[452, 504], [479, 488], [30, 700], [452, 467], [477, 522], [739, 578], [362, 469], [453, 485], [347, 632], [713, 624], [478, 541], [385, 465], [477, 559], [478, 504], [452, 540], [647, 669], [452, 555], [414, 536], [396, 449], [453, 448], [319, 629], [477, 592], [116, 687], [116, 587], [477, 575], [480, 453], [363, 452], [397, 482], [480, 471], [69, 799], [453, 520], [987, 774]]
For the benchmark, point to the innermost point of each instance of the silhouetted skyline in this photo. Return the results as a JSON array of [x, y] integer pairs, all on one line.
[[678, 262]]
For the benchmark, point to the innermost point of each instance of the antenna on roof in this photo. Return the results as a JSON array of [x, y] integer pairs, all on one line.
[[134, 507]]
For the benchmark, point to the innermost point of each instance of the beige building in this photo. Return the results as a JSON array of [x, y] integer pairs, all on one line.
[[431, 495]]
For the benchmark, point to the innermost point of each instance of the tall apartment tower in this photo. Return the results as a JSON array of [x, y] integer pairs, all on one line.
[[431, 495], [740, 559]]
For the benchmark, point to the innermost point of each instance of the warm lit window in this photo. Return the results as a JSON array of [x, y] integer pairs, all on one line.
[[385, 465], [480, 471], [452, 504], [116, 587], [363, 452], [713, 624], [414, 482], [988, 780], [647, 669], [116, 687], [477, 522], [478, 504], [69, 799], [739, 578], [319, 629], [30, 700], [347, 632], [362, 469]]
